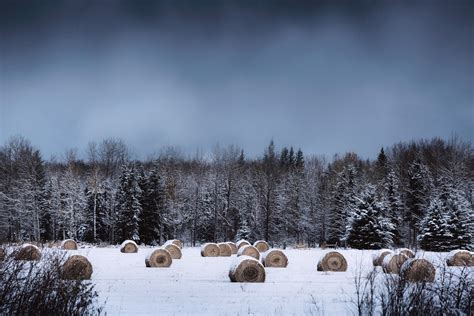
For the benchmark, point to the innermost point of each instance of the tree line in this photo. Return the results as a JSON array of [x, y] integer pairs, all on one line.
[[416, 194]]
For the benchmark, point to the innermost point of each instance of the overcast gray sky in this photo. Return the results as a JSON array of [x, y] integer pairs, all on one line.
[[346, 77]]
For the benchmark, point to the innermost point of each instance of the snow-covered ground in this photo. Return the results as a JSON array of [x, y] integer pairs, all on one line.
[[201, 286]]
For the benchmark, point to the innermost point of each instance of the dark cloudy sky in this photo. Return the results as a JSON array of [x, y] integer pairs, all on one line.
[[326, 78]]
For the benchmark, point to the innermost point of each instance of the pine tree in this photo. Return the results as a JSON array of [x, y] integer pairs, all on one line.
[[343, 200], [128, 204], [434, 232], [418, 196], [367, 229], [152, 220], [394, 207]]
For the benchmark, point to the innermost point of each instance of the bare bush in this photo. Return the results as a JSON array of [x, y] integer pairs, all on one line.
[[35, 288]]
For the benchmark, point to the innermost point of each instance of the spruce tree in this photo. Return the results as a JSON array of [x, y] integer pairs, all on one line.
[[418, 196], [367, 229], [128, 204], [434, 232], [394, 206], [152, 220]]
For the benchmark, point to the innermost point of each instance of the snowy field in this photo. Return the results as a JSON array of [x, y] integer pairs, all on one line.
[[200, 286]]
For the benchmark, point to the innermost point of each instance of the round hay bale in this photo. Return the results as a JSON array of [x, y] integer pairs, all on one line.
[[242, 243], [76, 267], [174, 251], [462, 258], [2, 254], [333, 261], [69, 244], [233, 247], [28, 252], [250, 251], [261, 245], [210, 250], [274, 258], [418, 270], [128, 246], [158, 258], [377, 259], [246, 269], [407, 252], [176, 242], [393, 262], [224, 249]]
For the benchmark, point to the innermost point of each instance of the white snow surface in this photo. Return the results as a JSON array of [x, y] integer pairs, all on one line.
[[199, 285]]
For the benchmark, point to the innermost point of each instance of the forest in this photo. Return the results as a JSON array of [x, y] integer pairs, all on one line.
[[417, 194]]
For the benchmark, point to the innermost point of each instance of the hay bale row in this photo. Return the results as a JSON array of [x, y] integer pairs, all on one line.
[[377, 259], [210, 250], [418, 270], [332, 261], [76, 267], [242, 243], [28, 252], [176, 242], [460, 258], [250, 251], [233, 247], [224, 249], [261, 245], [274, 258], [129, 246], [393, 262], [247, 269], [174, 250], [158, 258], [69, 244]]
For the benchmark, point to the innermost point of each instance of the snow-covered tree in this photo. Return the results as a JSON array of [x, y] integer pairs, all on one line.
[[394, 206], [418, 196], [128, 207], [367, 228]]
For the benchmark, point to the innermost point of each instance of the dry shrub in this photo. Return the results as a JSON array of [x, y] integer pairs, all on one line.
[[460, 258], [69, 244], [250, 251], [393, 262], [2, 254], [407, 252], [176, 242], [261, 245], [158, 258], [418, 270], [247, 269], [274, 258], [36, 288], [128, 246], [174, 251], [210, 250], [233, 247], [333, 261], [28, 252], [76, 267], [241, 243], [224, 249], [378, 258]]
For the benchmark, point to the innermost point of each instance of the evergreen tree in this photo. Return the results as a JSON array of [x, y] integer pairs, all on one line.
[[434, 232], [343, 200], [418, 195], [367, 229], [129, 208], [152, 220], [394, 207]]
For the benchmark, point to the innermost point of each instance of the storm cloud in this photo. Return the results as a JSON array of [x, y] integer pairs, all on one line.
[[326, 78]]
